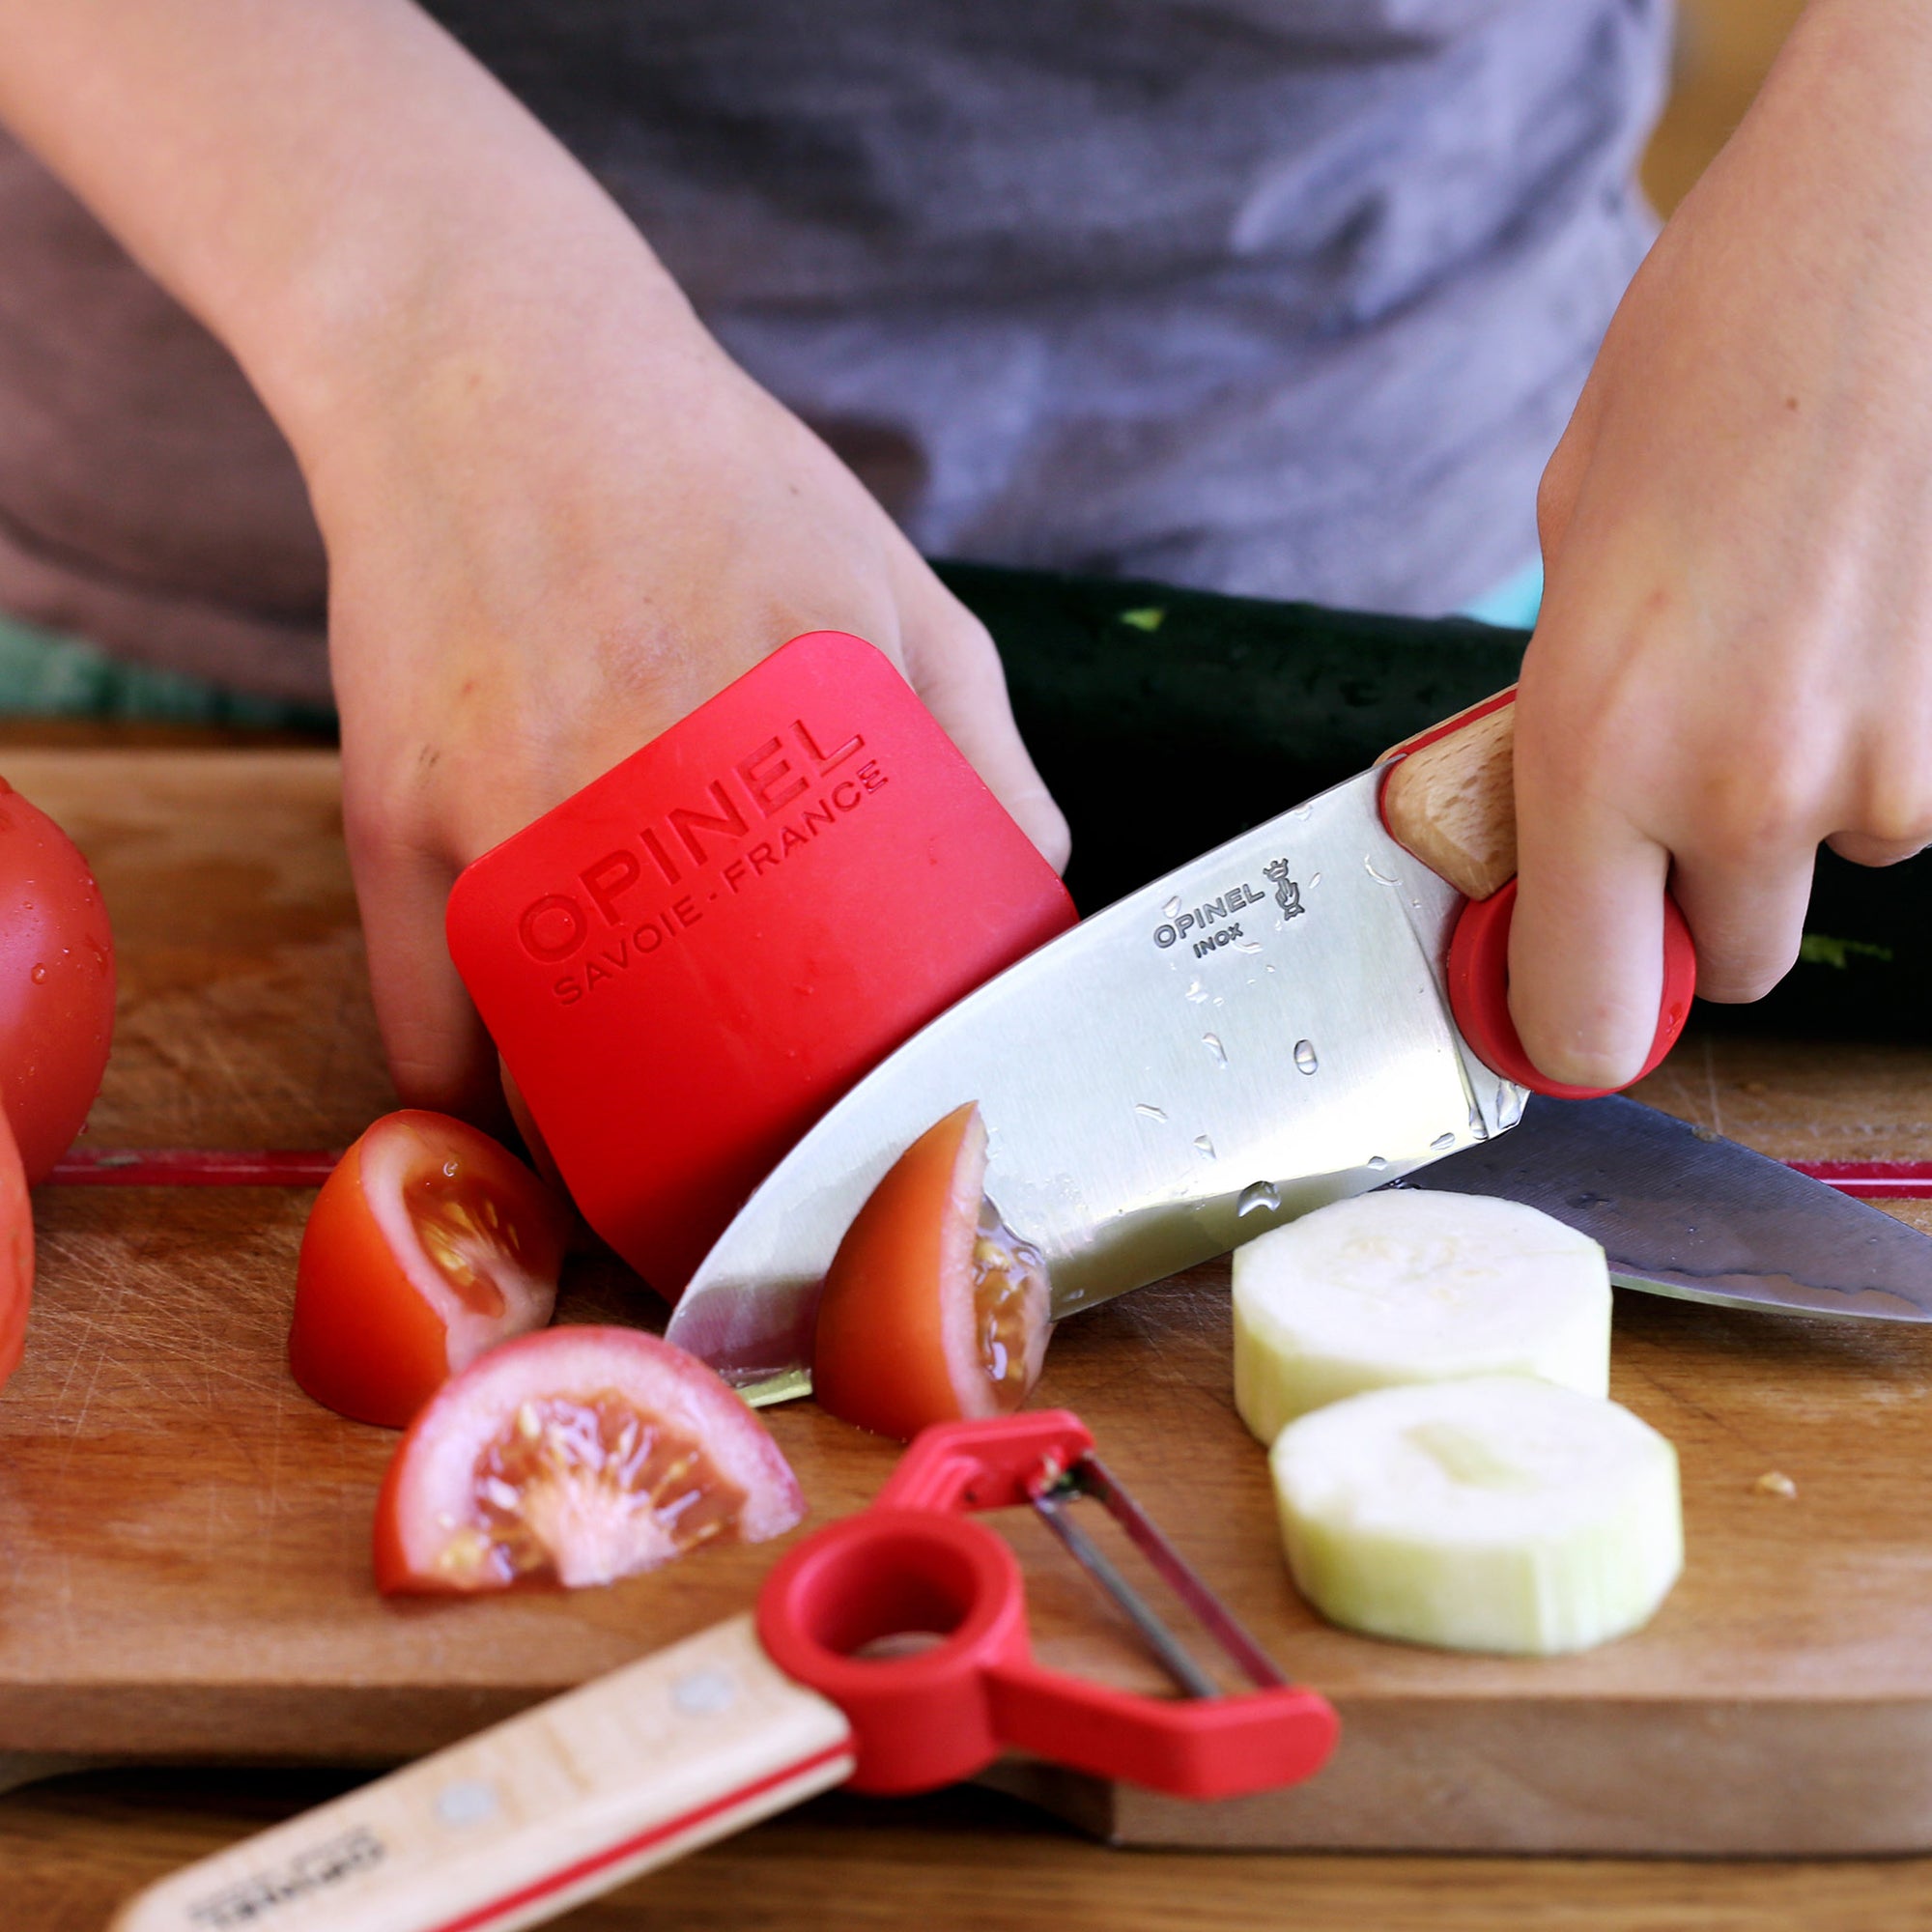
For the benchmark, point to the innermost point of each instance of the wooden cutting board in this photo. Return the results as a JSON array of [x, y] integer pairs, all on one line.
[[184, 1568]]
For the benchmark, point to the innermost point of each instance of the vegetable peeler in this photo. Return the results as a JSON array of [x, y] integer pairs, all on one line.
[[888, 1651]]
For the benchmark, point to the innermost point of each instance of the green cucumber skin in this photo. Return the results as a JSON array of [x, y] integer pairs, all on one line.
[[1160, 743]]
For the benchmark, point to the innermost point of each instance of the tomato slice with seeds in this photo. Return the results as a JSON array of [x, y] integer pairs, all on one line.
[[429, 1245], [933, 1308], [575, 1457]]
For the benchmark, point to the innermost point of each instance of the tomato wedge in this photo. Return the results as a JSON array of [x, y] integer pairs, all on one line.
[[933, 1308], [427, 1245], [56, 985], [575, 1457], [16, 1254]]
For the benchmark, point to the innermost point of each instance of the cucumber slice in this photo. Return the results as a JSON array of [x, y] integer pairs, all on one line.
[[1499, 1513], [1406, 1286]]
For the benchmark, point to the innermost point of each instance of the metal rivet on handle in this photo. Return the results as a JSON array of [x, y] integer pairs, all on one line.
[[465, 1803], [703, 1694]]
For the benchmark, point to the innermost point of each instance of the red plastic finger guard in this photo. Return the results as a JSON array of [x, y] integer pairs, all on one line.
[[914, 1563], [684, 964], [1477, 969]]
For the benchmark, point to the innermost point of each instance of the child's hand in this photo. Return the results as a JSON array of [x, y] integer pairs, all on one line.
[[558, 517], [581, 525], [1735, 657]]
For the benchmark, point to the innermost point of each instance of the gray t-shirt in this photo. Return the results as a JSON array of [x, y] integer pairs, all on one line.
[[1284, 297], [1288, 296]]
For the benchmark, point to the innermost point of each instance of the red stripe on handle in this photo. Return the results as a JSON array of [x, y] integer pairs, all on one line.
[[310, 1167], [1872, 1179], [1435, 734], [641, 1842], [194, 1167]]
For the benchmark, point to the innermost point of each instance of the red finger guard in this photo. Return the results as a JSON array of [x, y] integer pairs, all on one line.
[[912, 1564], [687, 962]]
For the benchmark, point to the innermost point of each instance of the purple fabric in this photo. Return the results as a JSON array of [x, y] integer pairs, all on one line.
[[1280, 296]]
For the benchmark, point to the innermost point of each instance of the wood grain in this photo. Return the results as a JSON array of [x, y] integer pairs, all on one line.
[[186, 1535], [966, 1861], [1452, 801]]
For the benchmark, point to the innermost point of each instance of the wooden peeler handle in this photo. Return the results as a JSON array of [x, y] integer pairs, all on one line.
[[1450, 798], [523, 1821]]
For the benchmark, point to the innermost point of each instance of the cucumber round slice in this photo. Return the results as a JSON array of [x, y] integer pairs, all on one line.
[[1499, 1513], [1407, 1285]]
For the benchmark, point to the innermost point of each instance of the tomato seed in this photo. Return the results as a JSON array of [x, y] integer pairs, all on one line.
[[585, 1489], [1009, 1290]]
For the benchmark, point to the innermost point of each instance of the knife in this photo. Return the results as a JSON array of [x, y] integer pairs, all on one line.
[[1682, 1212], [1266, 1029]]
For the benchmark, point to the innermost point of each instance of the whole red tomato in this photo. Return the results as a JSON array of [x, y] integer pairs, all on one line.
[[56, 985]]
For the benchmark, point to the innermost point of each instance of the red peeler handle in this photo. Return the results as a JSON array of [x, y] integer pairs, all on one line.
[[947, 1709], [1449, 799]]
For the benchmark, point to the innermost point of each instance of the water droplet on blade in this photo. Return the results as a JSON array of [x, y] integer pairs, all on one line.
[[1509, 1104], [1315, 878], [1172, 908], [1196, 991], [1304, 1056], [1248, 945], [1215, 1050], [1443, 1142], [1258, 1197], [1147, 1113], [1369, 866], [1379, 1163], [1203, 1144]]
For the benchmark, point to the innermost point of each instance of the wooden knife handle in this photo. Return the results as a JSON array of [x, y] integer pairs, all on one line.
[[520, 1823], [1452, 801]]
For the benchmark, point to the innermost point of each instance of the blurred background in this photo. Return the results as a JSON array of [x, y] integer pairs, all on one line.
[[55, 690], [1723, 49]]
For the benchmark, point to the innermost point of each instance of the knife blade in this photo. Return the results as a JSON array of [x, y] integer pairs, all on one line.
[[1682, 1212], [1264, 1030]]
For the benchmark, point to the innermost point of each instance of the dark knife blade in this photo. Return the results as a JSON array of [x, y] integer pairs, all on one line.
[[1683, 1212]]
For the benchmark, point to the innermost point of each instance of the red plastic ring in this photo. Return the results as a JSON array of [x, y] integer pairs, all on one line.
[[919, 1719], [1479, 993]]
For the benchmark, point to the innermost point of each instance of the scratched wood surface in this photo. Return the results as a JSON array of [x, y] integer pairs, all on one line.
[[184, 1536]]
